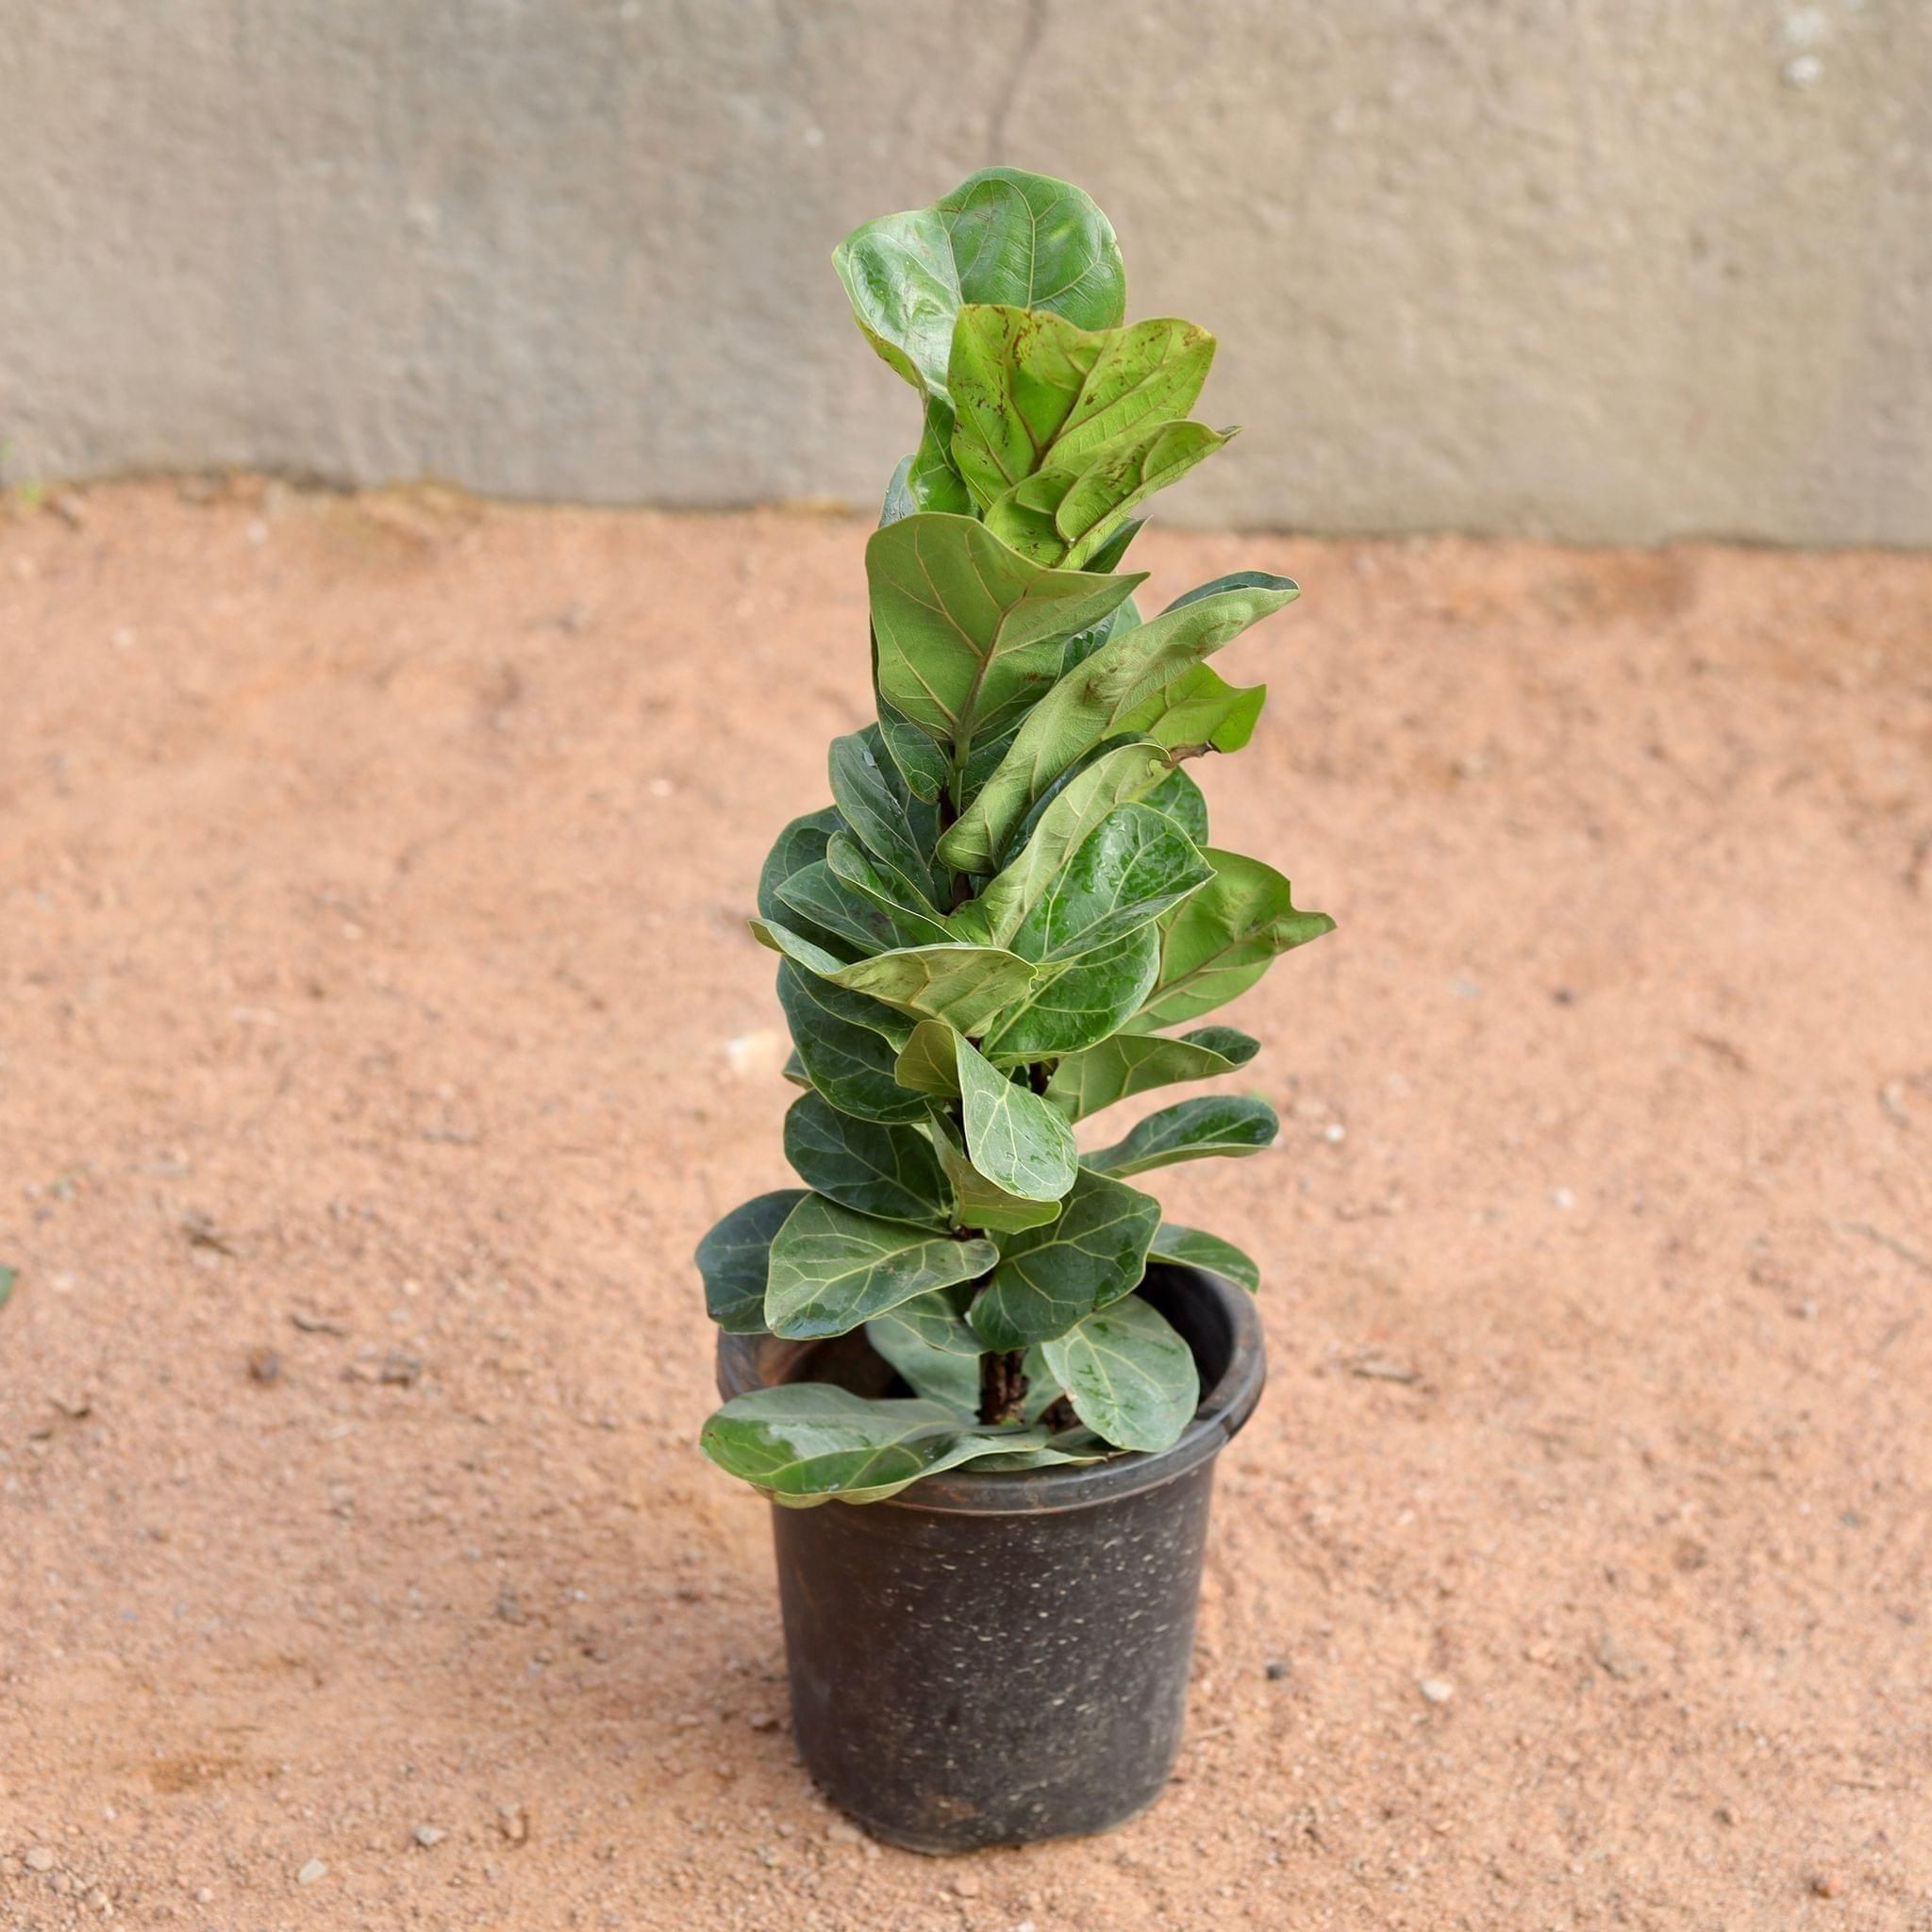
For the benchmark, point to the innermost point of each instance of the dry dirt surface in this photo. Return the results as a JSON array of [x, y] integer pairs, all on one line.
[[379, 1029]]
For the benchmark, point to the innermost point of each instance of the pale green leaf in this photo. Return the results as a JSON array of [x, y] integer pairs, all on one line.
[[1200, 711], [1220, 939], [1001, 235], [1014, 1138], [1129, 1063], [1130, 1378], [928, 1063], [967, 633], [978, 1203], [806, 1442], [962, 985]]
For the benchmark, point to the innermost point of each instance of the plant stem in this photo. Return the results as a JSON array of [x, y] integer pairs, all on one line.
[[1002, 1387]]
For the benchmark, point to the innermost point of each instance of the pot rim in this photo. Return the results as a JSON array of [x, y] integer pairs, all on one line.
[[754, 1361]]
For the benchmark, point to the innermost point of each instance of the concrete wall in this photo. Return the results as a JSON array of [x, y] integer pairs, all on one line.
[[1620, 268]]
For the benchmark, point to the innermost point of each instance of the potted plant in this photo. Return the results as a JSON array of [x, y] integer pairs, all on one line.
[[1009, 917]]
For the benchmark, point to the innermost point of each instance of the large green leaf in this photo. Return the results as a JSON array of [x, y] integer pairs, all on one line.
[[1081, 1004], [1077, 809], [1089, 705], [1128, 1063], [1128, 1375], [873, 1167], [832, 1268], [806, 1442], [928, 1342], [1190, 1130], [849, 1060], [1068, 514], [1200, 711], [883, 886], [1030, 389], [876, 802], [1050, 1277], [1001, 235], [1220, 941], [1195, 1249], [980, 1203], [815, 901], [922, 764], [800, 846], [962, 985], [734, 1257], [1133, 865], [967, 633], [1014, 1138]]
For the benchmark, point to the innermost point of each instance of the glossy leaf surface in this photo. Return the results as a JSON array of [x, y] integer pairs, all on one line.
[[734, 1257], [832, 1268], [1128, 1375], [1229, 1123]]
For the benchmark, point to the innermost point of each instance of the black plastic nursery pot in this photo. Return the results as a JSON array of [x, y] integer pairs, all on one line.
[[992, 1658]]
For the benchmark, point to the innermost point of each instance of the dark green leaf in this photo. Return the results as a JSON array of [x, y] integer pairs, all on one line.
[[1195, 1249], [1050, 1277], [806, 1442], [1109, 554], [927, 1341], [832, 1269], [1134, 865], [815, 900], [1190, 1130], [922, 761], [734, 1257], [801, 845], [1088, 705], [876, 803], [1128, 1375], [1014, 1138], [968, 634], [1081, 1004], [1128, 1063], [1001, 235], [849, 1061], [980, 1203], [873, 1167], [886, 888], [1219, 941]]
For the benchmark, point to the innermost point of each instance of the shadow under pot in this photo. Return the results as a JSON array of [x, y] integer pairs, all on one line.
[[994, 1659]]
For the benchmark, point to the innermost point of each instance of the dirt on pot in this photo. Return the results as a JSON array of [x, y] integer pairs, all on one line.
[[378, 1029]]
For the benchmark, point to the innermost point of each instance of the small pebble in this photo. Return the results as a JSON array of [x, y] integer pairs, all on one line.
[[39, 1859], [428, 1836], [965, 1885], [265, 1365], [1827, 1884], [762, 1720], [1278, 1668], [312, 1871], [1437, 1689], [841, 1833]]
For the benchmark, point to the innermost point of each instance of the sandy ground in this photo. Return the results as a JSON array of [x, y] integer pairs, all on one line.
[[378, 1030]]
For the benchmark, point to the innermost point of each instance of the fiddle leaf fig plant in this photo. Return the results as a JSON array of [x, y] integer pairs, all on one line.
[[1011, 905]]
